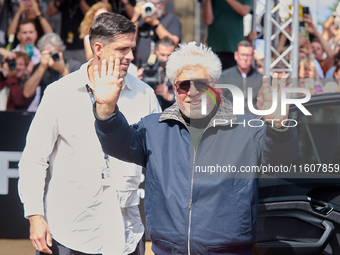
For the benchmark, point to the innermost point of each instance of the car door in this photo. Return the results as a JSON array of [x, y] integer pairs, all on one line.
[[300, 213]]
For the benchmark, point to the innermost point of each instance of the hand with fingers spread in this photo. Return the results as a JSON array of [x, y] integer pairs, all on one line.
[[275, 119], [40, 234], [137, 11], [107, 87]]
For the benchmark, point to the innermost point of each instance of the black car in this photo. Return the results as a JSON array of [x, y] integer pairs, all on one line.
[[299, 213]]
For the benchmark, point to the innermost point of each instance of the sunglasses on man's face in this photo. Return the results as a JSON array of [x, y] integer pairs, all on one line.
[[183, 87]]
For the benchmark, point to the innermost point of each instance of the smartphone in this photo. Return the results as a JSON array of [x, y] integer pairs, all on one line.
[[302, 30], [305, 10]]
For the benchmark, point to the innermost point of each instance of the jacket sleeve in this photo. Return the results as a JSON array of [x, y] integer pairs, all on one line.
[[122, 141], [276, 148]]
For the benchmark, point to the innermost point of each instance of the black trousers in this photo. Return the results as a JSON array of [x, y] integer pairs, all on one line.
[[59, 249]]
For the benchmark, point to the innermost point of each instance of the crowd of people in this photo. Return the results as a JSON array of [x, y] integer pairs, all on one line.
[[78, 194], [29, 26]]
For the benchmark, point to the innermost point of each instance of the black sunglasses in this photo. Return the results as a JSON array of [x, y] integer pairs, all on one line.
[[200, 84]]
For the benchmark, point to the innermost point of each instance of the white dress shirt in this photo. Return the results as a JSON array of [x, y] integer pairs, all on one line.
[[79, 214]]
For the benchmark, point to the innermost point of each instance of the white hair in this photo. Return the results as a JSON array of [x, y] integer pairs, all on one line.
[[193, 54], [51, 39]]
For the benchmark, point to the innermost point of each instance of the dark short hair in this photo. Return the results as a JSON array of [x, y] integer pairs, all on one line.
[[24, 22], [166, 41], [24, 55], [244, 43], [108, 26], [315, 40]]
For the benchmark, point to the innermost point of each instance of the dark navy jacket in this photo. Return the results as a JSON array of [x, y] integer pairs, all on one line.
[[189, 210]]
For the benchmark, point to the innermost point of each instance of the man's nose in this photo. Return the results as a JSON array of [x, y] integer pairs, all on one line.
[[193, 90], [130, 56]]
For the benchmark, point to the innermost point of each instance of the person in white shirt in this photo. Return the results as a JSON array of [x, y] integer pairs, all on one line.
[[72, 193], [27, 35]]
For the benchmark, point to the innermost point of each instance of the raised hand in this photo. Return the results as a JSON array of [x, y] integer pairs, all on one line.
[[7, 54], [107, 87], [59, 65], [45, 59], [35, 7], [137, 11], [275, 119]]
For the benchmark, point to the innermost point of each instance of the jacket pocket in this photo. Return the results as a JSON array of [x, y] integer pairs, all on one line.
[[160, 247], [243, 205]]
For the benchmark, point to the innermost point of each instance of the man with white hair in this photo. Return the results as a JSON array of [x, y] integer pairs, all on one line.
[[193, 203]]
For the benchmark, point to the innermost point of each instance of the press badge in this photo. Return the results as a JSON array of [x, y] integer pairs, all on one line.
[[152, 59], [70, 37]]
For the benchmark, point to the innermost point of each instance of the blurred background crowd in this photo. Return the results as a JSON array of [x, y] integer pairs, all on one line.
[[44, 40]]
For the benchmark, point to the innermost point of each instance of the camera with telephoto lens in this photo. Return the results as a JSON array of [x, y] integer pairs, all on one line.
[[148, 9], [55, 55], [11, 63], [154, 75]]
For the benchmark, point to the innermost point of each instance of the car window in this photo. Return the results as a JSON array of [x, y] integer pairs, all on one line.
[[319, 135]]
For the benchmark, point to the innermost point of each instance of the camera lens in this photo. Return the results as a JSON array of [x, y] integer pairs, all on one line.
[[55, 56], [148, 9], [11, 64]]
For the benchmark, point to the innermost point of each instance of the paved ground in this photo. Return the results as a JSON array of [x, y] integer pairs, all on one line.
[[24, 247]]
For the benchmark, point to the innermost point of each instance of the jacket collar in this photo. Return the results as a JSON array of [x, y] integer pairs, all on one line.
[[251, 71], [224, 112]]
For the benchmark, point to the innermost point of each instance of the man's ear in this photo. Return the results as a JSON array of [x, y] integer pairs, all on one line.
[[173, 87], [98, 49], [19, 36]]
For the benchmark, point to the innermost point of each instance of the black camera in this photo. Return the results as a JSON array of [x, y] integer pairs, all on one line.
[[11, 63], [148, 8], [55, 55], [154, 75]]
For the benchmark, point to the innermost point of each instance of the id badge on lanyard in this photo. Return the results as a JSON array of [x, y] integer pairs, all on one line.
[[105, 170]]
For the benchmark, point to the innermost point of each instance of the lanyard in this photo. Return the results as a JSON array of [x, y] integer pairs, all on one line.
[[89, 90], [106, 170]]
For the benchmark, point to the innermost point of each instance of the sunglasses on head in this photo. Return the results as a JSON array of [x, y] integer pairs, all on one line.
[[200, 85]]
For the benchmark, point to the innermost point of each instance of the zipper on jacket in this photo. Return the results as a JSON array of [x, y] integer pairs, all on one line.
[[190, 201], [192, 187]]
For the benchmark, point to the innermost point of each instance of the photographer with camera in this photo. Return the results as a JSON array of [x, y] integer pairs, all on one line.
[[29, 9], [12, 75], [72, 14], [52, 66], [153, 73], [154, 23]]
